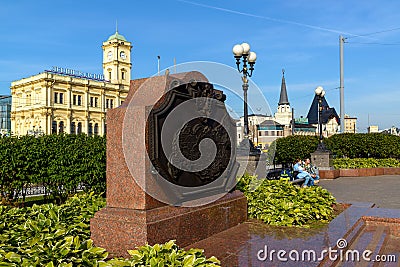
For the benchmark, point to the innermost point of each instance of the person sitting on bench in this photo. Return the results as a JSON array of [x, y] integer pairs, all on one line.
[[308, 180], [312, 170]]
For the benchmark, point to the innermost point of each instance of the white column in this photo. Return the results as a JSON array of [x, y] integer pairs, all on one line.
[[85, 125], [49, 122]]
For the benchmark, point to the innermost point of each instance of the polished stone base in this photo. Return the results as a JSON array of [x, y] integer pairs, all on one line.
[[119, 230], [256, 244]]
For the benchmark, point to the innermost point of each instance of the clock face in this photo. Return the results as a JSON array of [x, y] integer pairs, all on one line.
[[109, 55], [123, 55]]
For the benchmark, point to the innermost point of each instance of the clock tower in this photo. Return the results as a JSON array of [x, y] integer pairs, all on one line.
[[117, 59]]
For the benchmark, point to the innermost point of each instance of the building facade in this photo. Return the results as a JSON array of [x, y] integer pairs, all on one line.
[[263, 129], [5, 115], [63, 100], [350, 124], [392, 130], [268, 131], [254, 121], [373, 129], [302, 127]]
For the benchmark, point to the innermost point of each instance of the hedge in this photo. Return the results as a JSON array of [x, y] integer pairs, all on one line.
[[62, 162], [357, 163], [360, 145], [58, 162]]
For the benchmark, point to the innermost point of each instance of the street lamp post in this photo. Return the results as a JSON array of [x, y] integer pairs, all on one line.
[[321, 157], [320, 93], [242, 52]]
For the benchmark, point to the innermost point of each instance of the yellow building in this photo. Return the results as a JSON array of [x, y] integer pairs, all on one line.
[[350, 124], [70, 101], [373, 129]]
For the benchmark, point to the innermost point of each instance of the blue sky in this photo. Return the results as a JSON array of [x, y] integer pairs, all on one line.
[[300, 36]]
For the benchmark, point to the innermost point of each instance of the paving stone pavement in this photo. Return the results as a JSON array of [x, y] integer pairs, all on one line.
[[382, 190]]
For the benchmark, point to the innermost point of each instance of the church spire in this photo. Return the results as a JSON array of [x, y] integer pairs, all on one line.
[[283, 99]]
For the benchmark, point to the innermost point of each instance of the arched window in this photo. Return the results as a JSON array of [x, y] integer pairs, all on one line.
[[96, 129], [90, 130], [61, 127], [54, 127], [123, 74], [79, 129], [73, 128]]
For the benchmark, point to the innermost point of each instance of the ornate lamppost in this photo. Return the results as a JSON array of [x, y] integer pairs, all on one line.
[[242, 52], [320, 93]]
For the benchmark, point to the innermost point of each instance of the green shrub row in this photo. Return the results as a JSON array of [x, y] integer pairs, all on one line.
[[362, 145], [374, 145], [281, 203], [58, 162], [51, 235], [346, 163]]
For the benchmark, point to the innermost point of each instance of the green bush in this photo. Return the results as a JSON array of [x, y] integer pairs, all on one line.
[[347, 163], [278, 202], [374, 145], [288, 149], [59, 162], [51, 235]]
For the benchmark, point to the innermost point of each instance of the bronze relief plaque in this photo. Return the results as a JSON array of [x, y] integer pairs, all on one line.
[[191, 138]]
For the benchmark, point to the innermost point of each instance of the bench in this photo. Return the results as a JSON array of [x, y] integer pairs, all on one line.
[[295, 180], [298, 181]]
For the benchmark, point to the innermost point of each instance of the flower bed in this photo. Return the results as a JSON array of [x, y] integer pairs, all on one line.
[[51, 235], [278, 202]]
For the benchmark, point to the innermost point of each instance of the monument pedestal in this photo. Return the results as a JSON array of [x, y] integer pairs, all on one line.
[[323, 159], [132, 216], [118, 229]]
